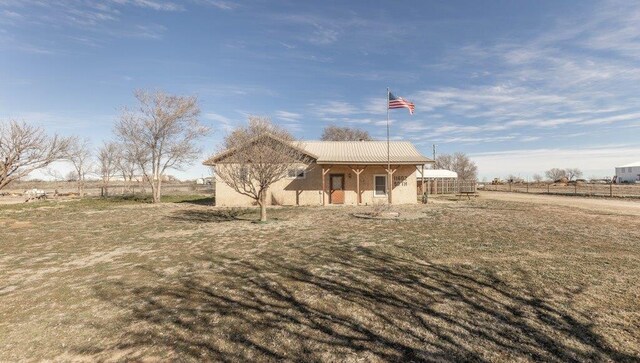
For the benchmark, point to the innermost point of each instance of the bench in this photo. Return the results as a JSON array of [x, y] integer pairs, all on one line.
[[468, 194]]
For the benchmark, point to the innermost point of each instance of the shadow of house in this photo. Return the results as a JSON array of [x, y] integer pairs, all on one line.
[[345, 304], [300, 186]]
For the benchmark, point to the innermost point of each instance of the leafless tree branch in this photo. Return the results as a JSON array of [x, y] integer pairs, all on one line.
[[161, 133], [25, 148]]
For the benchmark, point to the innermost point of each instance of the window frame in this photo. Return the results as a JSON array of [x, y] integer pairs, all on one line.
[[386, 186], [298, 171]]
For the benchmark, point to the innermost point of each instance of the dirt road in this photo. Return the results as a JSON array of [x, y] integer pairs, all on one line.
[[616, 206]]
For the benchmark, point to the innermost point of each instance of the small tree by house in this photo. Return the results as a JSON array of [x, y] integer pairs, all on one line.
[[25, 148], [255, 157], [337, 133], [161, 133]]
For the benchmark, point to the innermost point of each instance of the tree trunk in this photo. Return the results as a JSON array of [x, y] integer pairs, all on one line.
[[156, 190], [263, 206]]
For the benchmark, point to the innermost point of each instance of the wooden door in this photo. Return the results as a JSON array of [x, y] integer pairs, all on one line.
[[336, 188]]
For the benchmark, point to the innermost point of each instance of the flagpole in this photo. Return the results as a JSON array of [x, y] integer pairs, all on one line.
[[389, 185]]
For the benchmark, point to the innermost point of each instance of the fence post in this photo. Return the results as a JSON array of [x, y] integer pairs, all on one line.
[[548, 188], [575, 188], [611, 190], [527, 187]]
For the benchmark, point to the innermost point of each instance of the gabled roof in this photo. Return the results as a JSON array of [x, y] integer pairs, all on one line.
[[226, 153], [364, 152], [351, 152]]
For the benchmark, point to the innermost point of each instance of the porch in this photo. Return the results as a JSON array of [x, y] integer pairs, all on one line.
[[368, 184]]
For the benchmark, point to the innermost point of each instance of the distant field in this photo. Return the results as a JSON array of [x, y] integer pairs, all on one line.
[[94, 188], [583, 189], [483, 280]]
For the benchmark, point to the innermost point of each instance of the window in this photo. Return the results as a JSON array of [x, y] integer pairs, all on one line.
[[379, 185], [297, 173]]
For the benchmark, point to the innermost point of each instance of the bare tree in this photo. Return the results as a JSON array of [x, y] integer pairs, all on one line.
[[25, 148], [444, 161], [255, 157], [555, 174], [127, 165], [161, 134], [337, 133], [573, 173], [109, 155], [537, 178], [460, 163], [79, 155]]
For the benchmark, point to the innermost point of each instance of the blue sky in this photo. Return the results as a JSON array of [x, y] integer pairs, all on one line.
[[519, 86]]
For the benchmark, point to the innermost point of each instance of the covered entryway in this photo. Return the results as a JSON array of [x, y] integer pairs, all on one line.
[[336, 188]]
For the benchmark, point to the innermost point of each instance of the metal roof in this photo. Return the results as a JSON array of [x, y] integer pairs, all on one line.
[[437, 173], [637, 163], [352, 152], [364, 152]]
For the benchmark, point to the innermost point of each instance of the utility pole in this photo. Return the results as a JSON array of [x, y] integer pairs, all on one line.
[[434, 152]]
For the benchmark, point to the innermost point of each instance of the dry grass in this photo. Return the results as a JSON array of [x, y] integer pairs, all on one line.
[[473, 280]]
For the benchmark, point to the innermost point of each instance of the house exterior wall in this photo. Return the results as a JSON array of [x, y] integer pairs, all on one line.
[[628, 174], [308, 191]]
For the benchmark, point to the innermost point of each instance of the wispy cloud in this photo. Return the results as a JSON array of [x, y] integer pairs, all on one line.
[[596, 160], [152, 4], [220, 4], [288, 116], [332, 108], [321, 30]]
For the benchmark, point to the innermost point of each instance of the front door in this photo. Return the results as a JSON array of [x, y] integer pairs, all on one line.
[[336, 188]]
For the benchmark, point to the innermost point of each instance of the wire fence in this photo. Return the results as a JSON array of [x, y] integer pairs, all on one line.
[[582, 189], [96, 189]]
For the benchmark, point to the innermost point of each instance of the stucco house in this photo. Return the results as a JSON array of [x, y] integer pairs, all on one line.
[[340, 172]]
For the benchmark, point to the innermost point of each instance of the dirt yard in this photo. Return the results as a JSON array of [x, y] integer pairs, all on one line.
[[480, 280]]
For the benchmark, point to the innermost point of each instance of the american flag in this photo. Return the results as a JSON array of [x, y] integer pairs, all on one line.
[[399, 102]]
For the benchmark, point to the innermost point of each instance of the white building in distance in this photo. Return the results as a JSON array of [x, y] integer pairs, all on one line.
[[629, 173]]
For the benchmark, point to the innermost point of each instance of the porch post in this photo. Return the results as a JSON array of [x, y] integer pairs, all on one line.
[[324, 188], [357, 171], [422, 184], [390, 182]]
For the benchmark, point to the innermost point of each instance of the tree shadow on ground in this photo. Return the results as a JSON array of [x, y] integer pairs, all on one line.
[[346, 304], [210, 215], [207, 201]]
